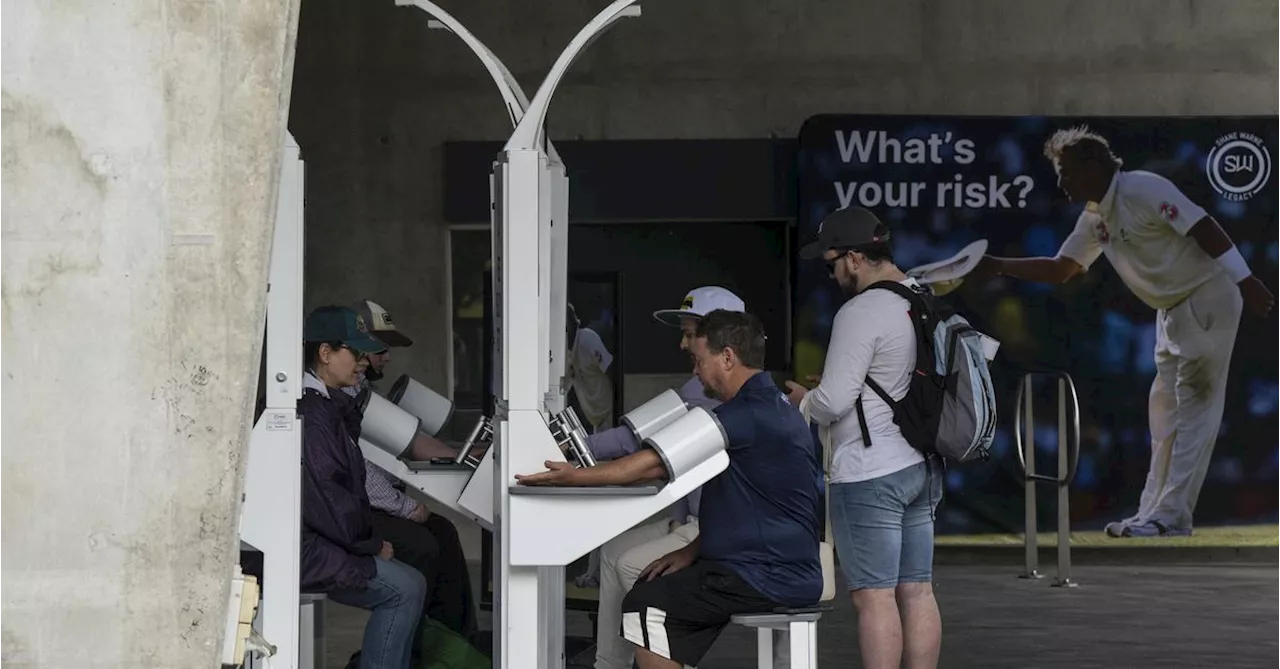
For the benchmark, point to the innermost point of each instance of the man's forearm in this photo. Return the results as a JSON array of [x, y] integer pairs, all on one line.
[[1040, 270], [640, 467]]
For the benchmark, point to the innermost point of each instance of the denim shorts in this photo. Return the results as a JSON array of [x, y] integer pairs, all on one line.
[[883, 527]]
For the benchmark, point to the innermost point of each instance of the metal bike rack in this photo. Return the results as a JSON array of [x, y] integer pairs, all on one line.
[[1068, 459]]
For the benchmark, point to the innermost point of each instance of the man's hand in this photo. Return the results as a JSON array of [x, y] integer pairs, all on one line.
[[795, 393], [988, 266], [1257, 299], [419, 514], [669, 563], [558, 473], [387, 551]]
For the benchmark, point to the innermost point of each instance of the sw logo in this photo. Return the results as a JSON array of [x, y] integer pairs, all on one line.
[[1238, 166]]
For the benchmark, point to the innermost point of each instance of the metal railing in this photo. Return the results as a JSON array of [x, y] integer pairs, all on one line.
[[1068, 459]]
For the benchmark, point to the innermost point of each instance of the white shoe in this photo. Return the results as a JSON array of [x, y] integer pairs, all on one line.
[[1155, 528], [1116, 528]]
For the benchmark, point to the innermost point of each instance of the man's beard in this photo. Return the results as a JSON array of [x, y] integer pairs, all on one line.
[[849, 288], [372, 374], [711, 394]]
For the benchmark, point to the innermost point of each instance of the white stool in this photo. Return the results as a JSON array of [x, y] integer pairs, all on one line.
[[311, 631], [801, 626]]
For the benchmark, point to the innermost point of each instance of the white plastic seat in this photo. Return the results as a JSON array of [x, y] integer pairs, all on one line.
[[801, 626]]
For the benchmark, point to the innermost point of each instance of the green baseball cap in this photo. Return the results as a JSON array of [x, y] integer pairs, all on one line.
[[340, 324]]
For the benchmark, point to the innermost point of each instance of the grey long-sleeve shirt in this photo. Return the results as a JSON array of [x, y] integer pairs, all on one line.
[[620, 441]]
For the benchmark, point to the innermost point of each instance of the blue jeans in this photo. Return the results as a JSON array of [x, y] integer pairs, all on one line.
[[395, 596], [883, 527]]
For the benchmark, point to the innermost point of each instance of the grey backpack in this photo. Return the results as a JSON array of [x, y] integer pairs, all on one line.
[[950, 406]]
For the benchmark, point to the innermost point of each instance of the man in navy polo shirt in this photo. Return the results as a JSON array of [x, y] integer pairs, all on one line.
[[758, 547]]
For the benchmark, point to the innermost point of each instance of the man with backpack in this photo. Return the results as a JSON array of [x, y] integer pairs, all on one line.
[[882, 490]]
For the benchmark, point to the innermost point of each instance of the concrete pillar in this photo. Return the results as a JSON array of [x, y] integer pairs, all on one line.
[[141, 145]]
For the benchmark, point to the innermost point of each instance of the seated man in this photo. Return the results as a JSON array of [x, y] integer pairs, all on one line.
[[758, 547], [626, 555]]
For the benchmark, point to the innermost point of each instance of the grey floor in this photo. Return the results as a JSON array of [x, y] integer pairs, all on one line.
[[1219, 615]]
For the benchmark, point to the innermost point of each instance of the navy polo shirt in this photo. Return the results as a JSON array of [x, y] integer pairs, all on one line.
[[759, 517]]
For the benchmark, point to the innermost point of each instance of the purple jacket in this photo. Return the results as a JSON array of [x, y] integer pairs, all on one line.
[[620, 441], [338, 541]]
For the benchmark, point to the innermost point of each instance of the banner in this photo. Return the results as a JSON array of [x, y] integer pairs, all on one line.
[[943, 182]]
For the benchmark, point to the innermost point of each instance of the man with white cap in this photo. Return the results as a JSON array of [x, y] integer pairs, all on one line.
[[623, 558]]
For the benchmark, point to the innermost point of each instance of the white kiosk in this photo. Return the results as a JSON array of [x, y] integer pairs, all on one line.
[[537, 531], [540, 530], [271, 513]]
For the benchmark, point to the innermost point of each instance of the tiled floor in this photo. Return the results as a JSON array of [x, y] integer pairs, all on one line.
[[1221, 615]]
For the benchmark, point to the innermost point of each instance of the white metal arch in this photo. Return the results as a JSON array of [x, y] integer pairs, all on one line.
[[513, 95], [528, 134]]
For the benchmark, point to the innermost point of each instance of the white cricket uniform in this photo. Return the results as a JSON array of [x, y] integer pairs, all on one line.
[[1141, 226], [589, 363]]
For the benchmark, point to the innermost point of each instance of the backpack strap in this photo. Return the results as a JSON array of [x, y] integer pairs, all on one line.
[[919, 308], [862, 418], [862, 421]]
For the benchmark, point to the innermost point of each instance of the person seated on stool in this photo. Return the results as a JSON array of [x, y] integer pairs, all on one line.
[[758, 544], [626, 555], [421, 539], [342, 555]]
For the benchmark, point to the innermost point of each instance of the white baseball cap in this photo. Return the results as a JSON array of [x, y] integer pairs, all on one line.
[[700, 302]]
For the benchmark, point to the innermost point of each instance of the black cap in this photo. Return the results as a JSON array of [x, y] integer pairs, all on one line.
[[846, 229]]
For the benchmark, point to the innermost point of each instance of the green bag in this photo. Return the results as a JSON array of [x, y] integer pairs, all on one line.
[[441, 648]]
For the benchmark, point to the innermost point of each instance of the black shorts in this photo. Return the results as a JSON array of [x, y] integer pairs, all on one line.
[[679, 616]]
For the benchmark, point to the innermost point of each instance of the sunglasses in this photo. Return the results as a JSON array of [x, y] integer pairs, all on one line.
[[831, 264]]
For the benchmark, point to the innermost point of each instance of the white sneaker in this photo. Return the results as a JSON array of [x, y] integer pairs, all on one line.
[[1115, 528], [1155, 528]]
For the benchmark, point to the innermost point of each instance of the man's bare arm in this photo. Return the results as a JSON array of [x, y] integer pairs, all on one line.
[[642, 466], [1210, 236], [1058, 269], [1217, 244]]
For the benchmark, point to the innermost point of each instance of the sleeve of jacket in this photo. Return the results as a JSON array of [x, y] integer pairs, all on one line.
[[613, 443], [330, 507]]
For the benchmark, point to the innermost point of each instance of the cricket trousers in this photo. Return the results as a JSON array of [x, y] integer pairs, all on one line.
[[1194, 341]]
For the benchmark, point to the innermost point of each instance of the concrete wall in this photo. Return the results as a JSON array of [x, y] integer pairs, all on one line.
[[377, 93], [141, 150]]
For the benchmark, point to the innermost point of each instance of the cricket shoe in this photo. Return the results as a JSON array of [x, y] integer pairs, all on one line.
[[1115, 529], [1155, 528]]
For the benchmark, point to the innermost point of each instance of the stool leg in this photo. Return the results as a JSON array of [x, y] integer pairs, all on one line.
[[781, 649], [804, 645], [764, 648], [306, 635], [319, 659]]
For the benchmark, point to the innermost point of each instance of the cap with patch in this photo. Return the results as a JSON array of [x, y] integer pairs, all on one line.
[[381, 325], [340, 324], [846, 228], [700, 302]]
